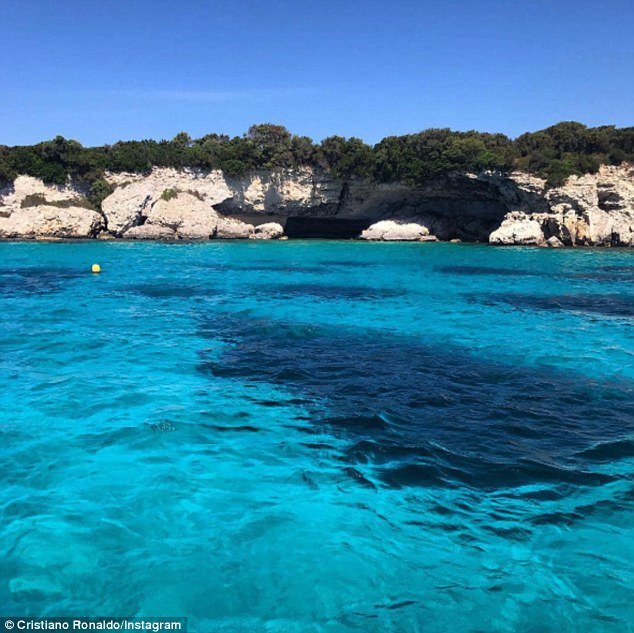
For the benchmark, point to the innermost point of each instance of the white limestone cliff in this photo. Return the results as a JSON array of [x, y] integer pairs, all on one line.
[[516, 208], [589, 210]]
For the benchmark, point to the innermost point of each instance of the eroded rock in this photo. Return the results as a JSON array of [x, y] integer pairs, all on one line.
[[391, 230], [589, 210], [268, 231]]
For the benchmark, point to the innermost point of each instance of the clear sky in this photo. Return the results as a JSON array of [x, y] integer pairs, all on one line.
[[100, 71]]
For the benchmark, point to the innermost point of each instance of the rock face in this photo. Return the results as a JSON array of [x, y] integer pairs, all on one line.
[[181, 216], [31, 210], [590, 210], [47, 222], [515, 208]]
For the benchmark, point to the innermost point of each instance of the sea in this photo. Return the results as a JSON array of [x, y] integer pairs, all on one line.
[[318, 436]]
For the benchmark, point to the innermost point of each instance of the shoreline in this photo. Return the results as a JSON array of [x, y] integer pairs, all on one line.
[[119, 240]]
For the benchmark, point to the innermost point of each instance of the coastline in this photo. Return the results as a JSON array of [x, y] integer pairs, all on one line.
[[172, 205]]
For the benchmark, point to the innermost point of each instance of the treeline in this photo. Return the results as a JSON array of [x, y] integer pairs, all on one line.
[[554, 153]]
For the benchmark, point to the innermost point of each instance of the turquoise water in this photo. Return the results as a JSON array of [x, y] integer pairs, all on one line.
[[319, 436]]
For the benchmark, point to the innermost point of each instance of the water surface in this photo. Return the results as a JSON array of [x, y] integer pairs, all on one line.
[[318, 436]]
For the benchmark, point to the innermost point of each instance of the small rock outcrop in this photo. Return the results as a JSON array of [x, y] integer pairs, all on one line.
[[29, 209], [390, 230], [518, 228], [554, 242], [268, 231], [51, 222]]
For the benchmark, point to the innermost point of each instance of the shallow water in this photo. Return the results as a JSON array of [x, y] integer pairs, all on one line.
[[319, 436]]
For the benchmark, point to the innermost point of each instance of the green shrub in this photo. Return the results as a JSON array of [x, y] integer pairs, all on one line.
[[38, 199], [33, 200], [169, 194], [99, 190]]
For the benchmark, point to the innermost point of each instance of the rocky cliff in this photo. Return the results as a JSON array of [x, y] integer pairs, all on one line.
[[516, 208], [590, 210]]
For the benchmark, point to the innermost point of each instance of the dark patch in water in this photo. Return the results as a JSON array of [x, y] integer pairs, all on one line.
[[370, 384], [606, 274], [621, 268], [357, 422], [358, 477], [556, 518], [508, 533], [614, 276], [269, 403], [326, 291], [309, 481], [609, 451], [318, 445], [279, 268], [612, 305], [228, 429], [348, 263], [259, 266], [35, 280], [395, 605], [169, 291], [486, 270]]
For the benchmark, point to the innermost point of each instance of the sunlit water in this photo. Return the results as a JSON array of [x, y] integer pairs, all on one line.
[[318, 436]]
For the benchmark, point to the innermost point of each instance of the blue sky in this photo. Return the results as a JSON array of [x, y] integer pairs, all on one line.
[[103, 71]]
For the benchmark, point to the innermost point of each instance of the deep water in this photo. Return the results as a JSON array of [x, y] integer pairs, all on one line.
[[319, 436]]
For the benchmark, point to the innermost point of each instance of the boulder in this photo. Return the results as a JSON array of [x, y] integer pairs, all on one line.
[[231, 229], [518, 228], [268, 231], [391, 230], [554, 242], [150, 232]]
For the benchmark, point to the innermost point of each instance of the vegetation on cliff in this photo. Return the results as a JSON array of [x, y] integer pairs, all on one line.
[[553, 153]]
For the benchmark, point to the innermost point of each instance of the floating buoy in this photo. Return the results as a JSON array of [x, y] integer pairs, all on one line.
[[96, 268]]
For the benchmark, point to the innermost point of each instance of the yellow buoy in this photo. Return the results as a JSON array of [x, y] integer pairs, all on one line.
[[96, 268]]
